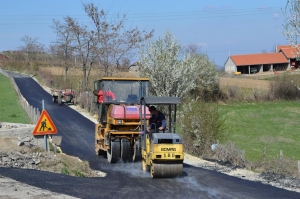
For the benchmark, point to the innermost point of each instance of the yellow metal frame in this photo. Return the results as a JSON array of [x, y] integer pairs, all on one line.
[[153, 150]]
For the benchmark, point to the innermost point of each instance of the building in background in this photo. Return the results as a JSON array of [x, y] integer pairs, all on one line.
[[282, 59]]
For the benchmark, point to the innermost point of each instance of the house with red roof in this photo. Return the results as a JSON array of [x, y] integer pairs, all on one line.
[[282, 59]]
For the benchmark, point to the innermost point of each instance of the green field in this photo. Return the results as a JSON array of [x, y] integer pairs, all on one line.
[[10, 108], [274, 125]]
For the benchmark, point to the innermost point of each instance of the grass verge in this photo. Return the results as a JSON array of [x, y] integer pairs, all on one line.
[[271, 125], [10, 108]]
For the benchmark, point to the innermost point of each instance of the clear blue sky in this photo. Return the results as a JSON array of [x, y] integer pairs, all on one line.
[[220, 27]]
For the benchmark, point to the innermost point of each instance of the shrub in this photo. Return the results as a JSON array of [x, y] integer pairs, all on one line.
[[201, 125], [284, 87]]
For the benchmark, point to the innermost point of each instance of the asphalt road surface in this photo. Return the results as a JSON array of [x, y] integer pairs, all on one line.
[[123, 180]]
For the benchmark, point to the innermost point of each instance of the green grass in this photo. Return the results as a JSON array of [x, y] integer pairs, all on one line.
[[274, 125], [10, 108]]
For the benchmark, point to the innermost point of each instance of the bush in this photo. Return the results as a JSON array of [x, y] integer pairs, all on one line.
[[284, 87], [201, 125], [228, 154]]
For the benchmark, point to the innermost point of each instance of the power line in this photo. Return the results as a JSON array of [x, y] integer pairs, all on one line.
[[140, 17]]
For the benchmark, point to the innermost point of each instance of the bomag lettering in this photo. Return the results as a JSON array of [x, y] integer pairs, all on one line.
[[168, 149]]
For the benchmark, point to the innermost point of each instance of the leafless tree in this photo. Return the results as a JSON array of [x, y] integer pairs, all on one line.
[[63, 49], [82, 43], [32, 47], [111, 41]]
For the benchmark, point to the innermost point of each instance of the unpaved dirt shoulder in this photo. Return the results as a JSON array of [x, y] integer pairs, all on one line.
[[13, 189], [291, 184]]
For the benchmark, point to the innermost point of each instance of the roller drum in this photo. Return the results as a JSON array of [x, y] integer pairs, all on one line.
[[166, 170]]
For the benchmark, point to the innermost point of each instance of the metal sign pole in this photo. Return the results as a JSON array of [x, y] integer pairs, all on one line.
[[45, 136]]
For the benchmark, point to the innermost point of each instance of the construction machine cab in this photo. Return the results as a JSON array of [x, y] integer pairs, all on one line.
[[125, 90]]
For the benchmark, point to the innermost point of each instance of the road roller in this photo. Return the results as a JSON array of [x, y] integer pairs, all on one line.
[[117, 133], [161, 151]]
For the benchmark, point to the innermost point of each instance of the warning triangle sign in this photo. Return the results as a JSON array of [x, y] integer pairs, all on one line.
[[44, 126]]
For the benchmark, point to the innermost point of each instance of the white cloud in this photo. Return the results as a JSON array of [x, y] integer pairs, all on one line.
[[225, 42], [276, 15], [202, 44], [209, 7]]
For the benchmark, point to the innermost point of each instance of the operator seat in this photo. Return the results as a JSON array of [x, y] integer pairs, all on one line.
[[132, 99]]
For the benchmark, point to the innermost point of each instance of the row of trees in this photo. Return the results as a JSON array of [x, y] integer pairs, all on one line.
[[174, 70]]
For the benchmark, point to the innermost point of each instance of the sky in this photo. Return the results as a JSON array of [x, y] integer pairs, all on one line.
[[219, 27]]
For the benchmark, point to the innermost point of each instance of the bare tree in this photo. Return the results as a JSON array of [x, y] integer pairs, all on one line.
[[82, 43], [112, 42], [32, 47], [63, 49]]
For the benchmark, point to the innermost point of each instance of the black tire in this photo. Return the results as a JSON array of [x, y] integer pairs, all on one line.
[[59, 101], [54, 99], [137, 156], [113, 154], [125, 150], [100, 152]]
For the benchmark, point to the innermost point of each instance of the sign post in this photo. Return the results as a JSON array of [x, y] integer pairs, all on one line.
[[44, 126]]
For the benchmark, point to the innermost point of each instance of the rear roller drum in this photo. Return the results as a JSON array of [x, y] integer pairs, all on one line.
[[113, 154], [125, 150], [166, 170]]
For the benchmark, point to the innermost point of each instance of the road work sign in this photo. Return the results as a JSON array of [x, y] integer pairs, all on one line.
[[44, 126]]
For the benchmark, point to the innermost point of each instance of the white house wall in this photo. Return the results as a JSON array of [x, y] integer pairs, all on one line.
[[230, 67]]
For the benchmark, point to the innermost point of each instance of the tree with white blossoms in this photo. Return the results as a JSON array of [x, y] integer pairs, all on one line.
[[171, 76], [292, 25]]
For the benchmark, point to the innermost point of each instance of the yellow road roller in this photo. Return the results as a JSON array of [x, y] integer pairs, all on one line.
[[118, 132], [162, 151]]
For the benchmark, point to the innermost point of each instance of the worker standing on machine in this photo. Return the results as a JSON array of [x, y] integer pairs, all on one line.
[[157, 120], [102, 97]]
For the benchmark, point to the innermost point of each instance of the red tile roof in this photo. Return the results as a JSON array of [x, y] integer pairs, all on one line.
[[289, 52], [259, 59]]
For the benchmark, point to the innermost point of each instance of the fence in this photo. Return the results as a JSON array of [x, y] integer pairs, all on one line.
[[32, 112]]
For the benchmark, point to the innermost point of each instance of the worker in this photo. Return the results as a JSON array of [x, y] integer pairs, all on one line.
[[157, 120], [108, 96]]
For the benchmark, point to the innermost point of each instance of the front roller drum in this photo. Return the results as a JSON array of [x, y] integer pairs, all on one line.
[[166, 170]]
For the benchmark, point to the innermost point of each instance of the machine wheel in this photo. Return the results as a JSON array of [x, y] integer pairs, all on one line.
[[125, 150], [164, 170], [145, 167], [100, 152], [54, 99], [136, 151], [59, 101], [74, 101], [113, 153]]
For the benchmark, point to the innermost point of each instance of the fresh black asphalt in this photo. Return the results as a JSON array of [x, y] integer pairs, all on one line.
[[123, 180]]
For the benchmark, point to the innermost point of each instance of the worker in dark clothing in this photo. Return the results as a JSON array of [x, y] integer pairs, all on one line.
[[157, 120]]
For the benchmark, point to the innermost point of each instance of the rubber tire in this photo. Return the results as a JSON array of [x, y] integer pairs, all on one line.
[[59, 101], [113, 154], [125, 150], [54, 99], [137, 156], [100, 152]]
